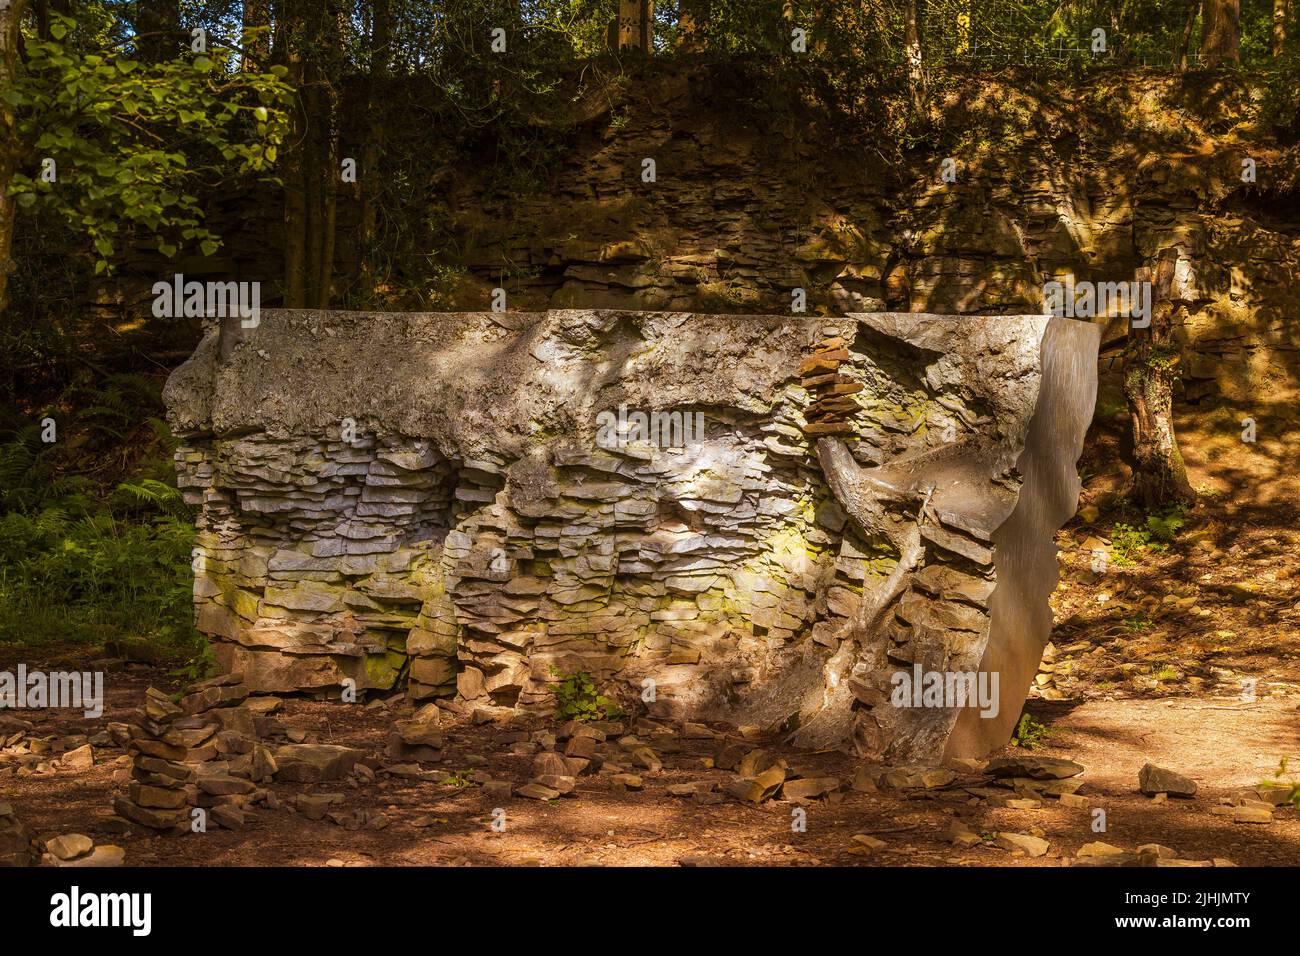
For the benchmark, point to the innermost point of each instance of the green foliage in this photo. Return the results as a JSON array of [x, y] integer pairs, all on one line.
[[82, 561], [457, 780], [576, 698], [1137, 623], [133, 143], [1290, 782], [1031, 732], [1165, 527], [1128, 542]]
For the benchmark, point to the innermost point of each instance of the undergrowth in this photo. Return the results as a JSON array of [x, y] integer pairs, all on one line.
[[95, 548]]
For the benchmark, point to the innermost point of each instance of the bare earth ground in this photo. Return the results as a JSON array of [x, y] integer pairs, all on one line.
[[1147, 665], [1226, 746]]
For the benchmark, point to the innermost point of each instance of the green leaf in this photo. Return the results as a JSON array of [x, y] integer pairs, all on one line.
[[208, 246], [58, 30], [260, 113]]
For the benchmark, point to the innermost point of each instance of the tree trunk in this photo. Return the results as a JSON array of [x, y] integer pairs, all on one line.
[[635, 28], [912, 50], [256, 37], [1151, 359], [1221, 33], [158, 26], [1185, 44], [287, 50], [11, 149], [1279, 27], [368, 178]]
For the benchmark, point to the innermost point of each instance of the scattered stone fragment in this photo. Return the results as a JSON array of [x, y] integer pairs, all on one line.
[[1036, 768], [1022, 844], [809, 788], [1099, 849], [561, 784], [646, 758], [105, 855], [865, 844], [1252, 815], [82, 758], [1023, 803], [229, 817], [1158, 851], [627, 781], [918, 778], [961, 835], [314, 806], [497, 789], [536, 791], [69, 846], [1153, 780], [757, 789], [314, 763]]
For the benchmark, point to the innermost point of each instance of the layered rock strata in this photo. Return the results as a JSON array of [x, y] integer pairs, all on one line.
[[478, 504]]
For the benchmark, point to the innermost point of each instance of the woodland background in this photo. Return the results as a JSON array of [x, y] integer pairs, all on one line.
[[519, 169]]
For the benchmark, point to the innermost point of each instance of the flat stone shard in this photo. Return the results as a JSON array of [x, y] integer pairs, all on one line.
[[771, 518]]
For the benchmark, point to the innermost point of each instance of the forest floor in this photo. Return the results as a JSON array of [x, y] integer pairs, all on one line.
[[1185, 655], [440, 817]]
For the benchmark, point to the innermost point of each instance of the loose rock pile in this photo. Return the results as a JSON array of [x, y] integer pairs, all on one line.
[[203, 752]]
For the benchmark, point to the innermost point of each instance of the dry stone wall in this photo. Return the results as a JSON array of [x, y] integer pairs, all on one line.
[[471, 504]]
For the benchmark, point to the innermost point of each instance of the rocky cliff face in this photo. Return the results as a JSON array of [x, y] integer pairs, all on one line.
[[480, 503], [1053, 179]]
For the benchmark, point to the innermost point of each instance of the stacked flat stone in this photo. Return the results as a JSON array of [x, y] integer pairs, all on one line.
[[228, 760], [157, 796], [201, 752], [832, 402]]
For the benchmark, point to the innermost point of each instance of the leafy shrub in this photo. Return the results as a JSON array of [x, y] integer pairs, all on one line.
[[1129, 542], [85, 560], [576, 698], [1031, 732]]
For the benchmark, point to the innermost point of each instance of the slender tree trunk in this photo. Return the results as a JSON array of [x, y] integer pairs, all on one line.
[[1185, 44], [1279, 27], [256, 36], [11, 149], [1221, 32], [158, 25], [288, 51], [329, 65], [368, 181], [912, 50], [1151, 359]]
